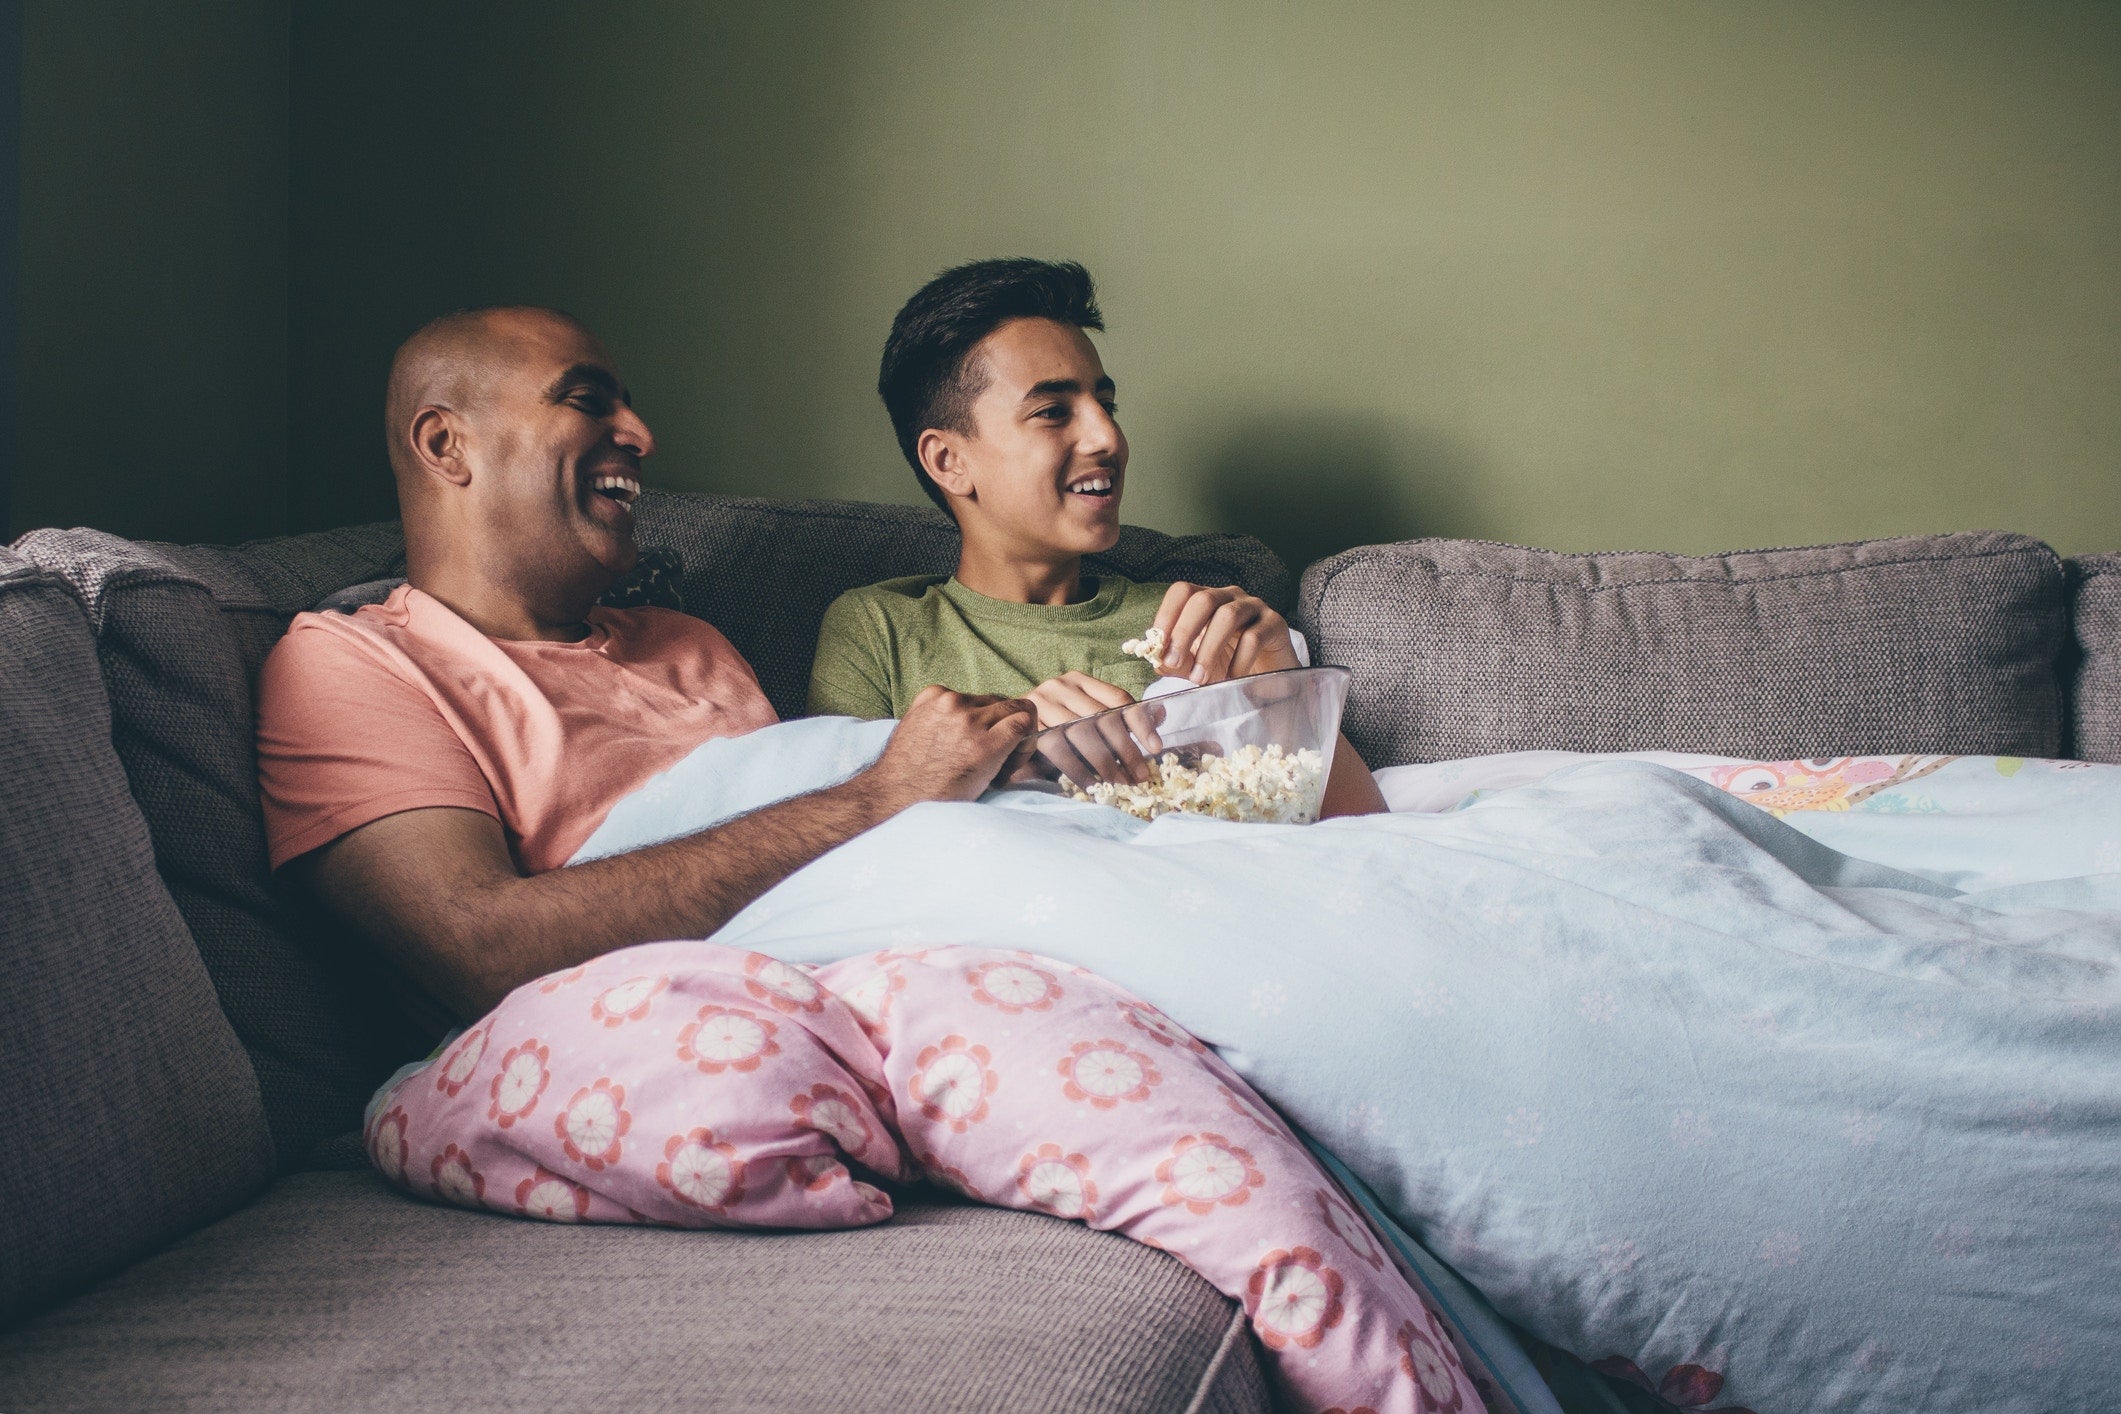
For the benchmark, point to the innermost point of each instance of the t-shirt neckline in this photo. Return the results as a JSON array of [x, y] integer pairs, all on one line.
[[1111, 592], [599, 634]]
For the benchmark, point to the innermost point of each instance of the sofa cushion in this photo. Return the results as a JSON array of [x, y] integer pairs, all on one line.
[[180, 634], [763, 572], [2096, 580], [133, 1114], [1943, 643], [334, 1293]]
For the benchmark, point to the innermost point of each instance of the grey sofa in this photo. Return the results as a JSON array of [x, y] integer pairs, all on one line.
[[189, 1223]]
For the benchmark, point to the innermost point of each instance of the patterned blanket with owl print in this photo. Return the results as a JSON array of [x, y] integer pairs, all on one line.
[[1788, 1085]]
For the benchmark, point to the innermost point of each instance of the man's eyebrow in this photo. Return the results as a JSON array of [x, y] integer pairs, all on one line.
[[596, 376], [1062, 387]]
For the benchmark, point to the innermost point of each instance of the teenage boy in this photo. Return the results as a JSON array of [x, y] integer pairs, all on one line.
[[1010, 422]]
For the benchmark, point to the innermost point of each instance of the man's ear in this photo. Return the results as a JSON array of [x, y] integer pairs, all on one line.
[[438, 445], [943, 458]]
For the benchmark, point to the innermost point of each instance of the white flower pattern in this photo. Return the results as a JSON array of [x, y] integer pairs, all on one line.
[[1431, 999], [701, 1174], [1782, 1248], [1208, 1172], [1108, 1072], [1523, 1127]]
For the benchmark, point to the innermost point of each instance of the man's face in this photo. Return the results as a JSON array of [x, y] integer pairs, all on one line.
[[1046, 458], [557, 451]]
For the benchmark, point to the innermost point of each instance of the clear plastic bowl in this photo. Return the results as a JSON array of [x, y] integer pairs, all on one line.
[[1296, 710]]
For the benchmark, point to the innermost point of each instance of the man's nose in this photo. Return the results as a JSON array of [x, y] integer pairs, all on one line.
[[630, 432]]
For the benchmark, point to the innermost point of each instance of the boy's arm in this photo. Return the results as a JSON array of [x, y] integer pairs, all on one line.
[[1350, 788], [847, 677]]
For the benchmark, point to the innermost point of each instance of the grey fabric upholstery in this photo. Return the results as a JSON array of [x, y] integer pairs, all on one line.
[[763, 572], [132, 1113], [654, 581], [2096, 580], [1945, 643], [180, 634], [335, 1293]]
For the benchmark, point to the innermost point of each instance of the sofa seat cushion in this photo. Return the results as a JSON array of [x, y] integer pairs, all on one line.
[[333, 1292], [1942, 643], [2096, 582], [132, 1113]]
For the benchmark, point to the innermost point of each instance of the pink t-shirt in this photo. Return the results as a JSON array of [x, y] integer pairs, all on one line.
[[403, 705]]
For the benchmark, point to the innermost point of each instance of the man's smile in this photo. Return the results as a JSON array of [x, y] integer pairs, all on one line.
[[623, 489]]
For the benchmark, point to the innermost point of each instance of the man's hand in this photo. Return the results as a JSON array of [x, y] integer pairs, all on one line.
[[1072, 696], [1213, 634], [950, 745]]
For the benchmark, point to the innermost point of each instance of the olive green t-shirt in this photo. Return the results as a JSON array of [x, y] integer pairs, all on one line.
[[880, 645]]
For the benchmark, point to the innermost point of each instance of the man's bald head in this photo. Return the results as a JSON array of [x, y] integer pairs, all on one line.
[[451, 362], [517, 454]]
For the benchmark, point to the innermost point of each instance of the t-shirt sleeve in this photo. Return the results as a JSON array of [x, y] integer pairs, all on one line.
[[849, 676], [345, 739]]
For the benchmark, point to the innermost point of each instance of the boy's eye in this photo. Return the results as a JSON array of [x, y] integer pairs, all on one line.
[[591, 403], [1111, 408], [1054, 413]]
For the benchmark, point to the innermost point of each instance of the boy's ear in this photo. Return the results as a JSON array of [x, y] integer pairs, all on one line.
[[943, 459]]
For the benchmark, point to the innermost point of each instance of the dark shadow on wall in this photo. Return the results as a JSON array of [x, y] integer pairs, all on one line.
[[660, 174], [1312, 484]]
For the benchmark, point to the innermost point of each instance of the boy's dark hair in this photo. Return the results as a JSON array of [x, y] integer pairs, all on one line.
[[925, 382]]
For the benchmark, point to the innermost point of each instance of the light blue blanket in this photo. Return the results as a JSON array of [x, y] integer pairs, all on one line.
[[1663, 1077]]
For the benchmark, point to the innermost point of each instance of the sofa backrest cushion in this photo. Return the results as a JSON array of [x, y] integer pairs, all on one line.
[[133, 1113], [1943, 643], [763, 572], [180, 633], [2096, 580]]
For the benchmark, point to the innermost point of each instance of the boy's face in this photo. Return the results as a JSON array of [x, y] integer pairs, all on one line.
[[1043, 468]]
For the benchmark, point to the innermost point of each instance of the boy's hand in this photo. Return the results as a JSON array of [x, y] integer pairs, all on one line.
[[1213, 634], [950, 746], [1074, 695], [1094, 751]]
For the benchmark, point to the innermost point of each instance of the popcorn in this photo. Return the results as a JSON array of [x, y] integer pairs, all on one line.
[[1149, 647], [1252, 785]]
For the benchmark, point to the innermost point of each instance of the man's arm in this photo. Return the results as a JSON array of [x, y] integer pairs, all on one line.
[[438, 891]]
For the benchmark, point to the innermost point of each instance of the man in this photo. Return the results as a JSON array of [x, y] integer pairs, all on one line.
[[1010, 423], [427, 764]]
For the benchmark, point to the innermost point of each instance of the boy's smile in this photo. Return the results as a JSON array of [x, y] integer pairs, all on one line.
[[1040, 476]]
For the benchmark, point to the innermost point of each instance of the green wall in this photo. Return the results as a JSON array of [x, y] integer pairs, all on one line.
[[152, 342], [1675, 273]]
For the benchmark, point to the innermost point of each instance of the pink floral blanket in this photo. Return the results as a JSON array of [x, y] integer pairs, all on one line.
[[692, 1085]]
